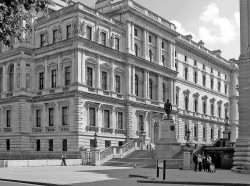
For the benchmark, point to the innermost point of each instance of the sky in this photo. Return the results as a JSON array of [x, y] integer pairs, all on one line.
[[216, 22]]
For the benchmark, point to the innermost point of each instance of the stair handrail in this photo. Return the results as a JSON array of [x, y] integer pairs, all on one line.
[[198, 150], [127, 148], [106, 154]]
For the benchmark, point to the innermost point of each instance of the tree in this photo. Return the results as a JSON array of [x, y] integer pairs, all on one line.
[[15, 17]]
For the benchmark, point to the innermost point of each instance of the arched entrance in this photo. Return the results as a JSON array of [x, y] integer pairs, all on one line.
[[156, 132]]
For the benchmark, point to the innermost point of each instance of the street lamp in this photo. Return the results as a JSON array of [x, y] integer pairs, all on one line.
[[226, 133], [95, 140], [188, 137]]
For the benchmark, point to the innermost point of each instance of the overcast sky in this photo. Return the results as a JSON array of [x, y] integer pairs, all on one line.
[[216, 22]]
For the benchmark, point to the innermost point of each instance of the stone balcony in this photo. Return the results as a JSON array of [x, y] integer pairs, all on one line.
[[64, 129], [7, 130], [50, 129], [120, 131], [37, 130], [92, 128], [107, 130]]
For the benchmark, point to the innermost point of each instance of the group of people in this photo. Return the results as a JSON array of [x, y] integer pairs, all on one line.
[[202, 162]]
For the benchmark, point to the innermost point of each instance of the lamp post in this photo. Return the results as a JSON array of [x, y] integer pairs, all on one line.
[[226, 133], [188, 137], [95, 140]]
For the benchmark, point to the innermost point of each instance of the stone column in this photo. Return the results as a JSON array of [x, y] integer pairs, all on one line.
[[5, 79], [46, 75], [159, 50], [174, 92], [23, 74], [74, 65], [128, 79], [77, 68], [59, 77], [133, 38], [15, 77], [171, 97], [83, 59], [145, 44], [112, 77], [128, 36], [98, 72], [133, 80], [146, 80], [160, 90], [171, 60], [242, 149]]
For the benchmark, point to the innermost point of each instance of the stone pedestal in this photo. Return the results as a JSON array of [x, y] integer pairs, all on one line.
[[96, 159], [187, 158], [167, 146]]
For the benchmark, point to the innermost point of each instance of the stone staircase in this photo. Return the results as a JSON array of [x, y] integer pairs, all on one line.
[[140, 158]]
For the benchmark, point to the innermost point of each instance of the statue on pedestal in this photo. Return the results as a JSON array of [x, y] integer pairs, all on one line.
[[168, 108]]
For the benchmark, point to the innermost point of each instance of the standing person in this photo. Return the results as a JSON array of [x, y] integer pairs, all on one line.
[[204, 162], [64, 160], [209, 161], [199, 162], [195, 160]]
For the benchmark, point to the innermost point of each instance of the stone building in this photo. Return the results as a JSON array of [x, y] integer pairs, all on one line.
[[108, 71]]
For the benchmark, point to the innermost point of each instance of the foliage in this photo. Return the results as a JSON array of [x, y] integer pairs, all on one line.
[[15, 17]]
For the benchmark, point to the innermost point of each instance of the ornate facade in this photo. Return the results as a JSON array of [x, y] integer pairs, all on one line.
[[109, 70]]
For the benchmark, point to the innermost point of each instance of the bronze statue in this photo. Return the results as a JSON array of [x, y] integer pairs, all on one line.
[[168, 108]]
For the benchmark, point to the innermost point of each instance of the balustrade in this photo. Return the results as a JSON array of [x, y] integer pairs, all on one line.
[[107, 130], [64, 128], [50, 129], [7, 130], [37, 130], [92, 128], [120, 131]]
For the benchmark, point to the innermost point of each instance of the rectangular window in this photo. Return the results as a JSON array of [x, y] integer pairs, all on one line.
[[185, 58], [92, 143], [42, 40], [141, 123], [7, 144], [41, 80], [120, 120], [68, 31], [103, 38], [149, 39], [90, 77], [195, 63], [53, 78], [55, 36], [104, 80], [92, 115], [212, 70], [106, 119], [8, 123], [117, 43], [107, 144], [38, 118], [51, 145], [118, 84], [204, 67], [89, 33], [67, 76], [136, 32], [64, 115], [1, 81], [64, 145], [162, 45], [38, 145], [219, 74], [51, 117]]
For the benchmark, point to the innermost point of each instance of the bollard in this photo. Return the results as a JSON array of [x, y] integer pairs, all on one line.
[[157, 167], [164, 169]]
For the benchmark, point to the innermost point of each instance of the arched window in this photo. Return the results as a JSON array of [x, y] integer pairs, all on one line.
[[11, 78], [195, 131], [204, 80], [1, 79], [163, 92], [186, 102], [195, 76], [204, 132], [212, 109], [212, 83], [225, 88], [204, 107], [219, 111], [195, 105], [212, 133], [136, 85], [150, 89], [136, 50], [186, 73], [150, 55], [226, 114], [163, 59]]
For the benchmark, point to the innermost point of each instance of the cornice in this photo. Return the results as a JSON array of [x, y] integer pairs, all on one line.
[[191, 49]]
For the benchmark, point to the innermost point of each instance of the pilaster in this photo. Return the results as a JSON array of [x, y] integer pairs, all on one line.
[[5, 79], [128, 36], [160, 90], [146, 81], [159, 50]]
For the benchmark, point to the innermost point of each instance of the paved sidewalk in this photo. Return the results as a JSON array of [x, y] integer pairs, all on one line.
[[113, 176]]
